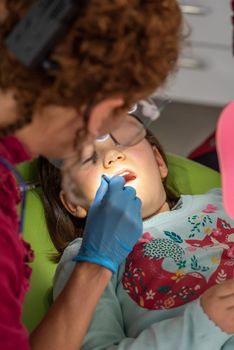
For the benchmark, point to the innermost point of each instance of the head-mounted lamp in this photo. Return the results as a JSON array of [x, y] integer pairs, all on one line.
[[34, 36]]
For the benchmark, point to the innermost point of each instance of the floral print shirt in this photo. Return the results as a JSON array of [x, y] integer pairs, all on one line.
[[153, 301]]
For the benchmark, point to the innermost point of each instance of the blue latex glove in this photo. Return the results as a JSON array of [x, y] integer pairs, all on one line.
[[113, 225]]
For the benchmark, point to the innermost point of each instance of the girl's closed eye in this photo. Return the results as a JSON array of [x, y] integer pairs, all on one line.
[[92, 159], [89, 155]]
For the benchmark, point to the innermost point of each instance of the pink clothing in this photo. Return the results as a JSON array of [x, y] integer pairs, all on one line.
[[14, 253]]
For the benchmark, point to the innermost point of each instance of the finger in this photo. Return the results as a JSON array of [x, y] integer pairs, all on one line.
[[116, 183], [227, 302], [102, 189], [138, 203], [130, 191], [226, 288]]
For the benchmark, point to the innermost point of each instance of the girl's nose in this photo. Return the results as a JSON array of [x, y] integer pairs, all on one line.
[[111, 157]]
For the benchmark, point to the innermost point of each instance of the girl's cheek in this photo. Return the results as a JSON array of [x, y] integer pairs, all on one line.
[[93, 181], [135, 155]]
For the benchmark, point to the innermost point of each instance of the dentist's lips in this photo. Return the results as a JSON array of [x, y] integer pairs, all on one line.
[[129, 175]]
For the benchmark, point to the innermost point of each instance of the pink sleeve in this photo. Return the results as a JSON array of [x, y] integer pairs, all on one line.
[[13, 334], [12, 150]]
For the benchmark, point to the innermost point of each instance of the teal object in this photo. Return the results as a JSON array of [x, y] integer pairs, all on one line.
[[185, 176]]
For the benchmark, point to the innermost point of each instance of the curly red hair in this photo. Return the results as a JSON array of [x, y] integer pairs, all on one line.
[[114, 48]]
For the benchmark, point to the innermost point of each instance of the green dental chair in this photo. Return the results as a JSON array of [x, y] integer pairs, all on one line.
[[186, 177]]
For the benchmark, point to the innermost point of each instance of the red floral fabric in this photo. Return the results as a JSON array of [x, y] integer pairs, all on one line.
[[153, 284]]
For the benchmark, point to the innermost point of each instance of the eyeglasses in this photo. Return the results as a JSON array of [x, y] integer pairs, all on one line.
[[131, 131]]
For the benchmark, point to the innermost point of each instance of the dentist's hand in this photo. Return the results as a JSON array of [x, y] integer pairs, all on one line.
[[113, 226]]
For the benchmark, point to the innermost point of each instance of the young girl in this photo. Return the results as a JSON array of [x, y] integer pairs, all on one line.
[[162, 296]]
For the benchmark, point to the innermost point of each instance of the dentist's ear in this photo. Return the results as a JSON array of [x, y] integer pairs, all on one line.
[[75, 210], [160, 162]]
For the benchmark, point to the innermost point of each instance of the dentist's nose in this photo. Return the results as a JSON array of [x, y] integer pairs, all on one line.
[[112, 156]]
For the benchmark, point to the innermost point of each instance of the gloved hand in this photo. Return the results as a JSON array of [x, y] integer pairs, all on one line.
[[113, 225]]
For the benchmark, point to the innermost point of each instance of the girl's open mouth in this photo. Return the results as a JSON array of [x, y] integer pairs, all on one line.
[[129, 175]]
